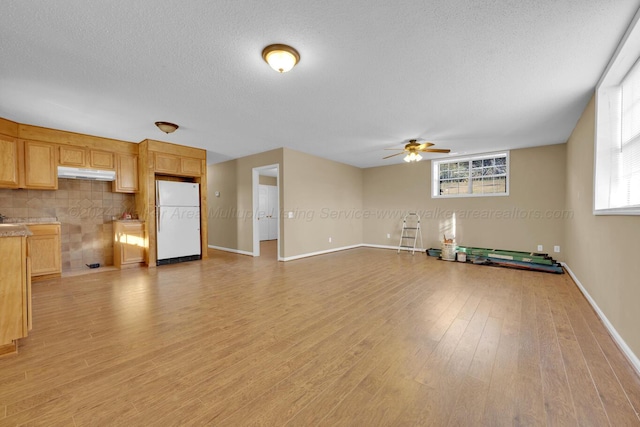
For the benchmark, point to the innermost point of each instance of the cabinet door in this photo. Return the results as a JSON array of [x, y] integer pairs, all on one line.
[[40, 166], [133, 252], [167, 163], [8, 162], [190, 166], [13, 301], [44, 249], [126, 174], [129, 243], [73, 156], [101, 160]]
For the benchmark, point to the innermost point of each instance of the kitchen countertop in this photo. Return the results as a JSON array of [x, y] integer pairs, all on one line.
[[14, 230], [31, 220]]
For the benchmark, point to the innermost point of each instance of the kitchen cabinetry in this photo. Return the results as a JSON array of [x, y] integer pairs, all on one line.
[[15, 288], [8, 162], [27, 164], [177, 165], [100, 159], [73, 156], [81, 157], [40, 169], [44, 249], [129, 243], [126, 174]]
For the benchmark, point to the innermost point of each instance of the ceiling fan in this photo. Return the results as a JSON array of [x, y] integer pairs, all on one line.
[[413, 150]]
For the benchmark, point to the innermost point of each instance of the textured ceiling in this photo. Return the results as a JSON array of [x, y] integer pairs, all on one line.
[[468, 75]]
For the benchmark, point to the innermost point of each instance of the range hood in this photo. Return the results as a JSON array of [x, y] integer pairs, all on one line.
[[81, 173]]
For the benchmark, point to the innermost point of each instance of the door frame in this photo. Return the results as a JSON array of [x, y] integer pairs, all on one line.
[[256, 227]]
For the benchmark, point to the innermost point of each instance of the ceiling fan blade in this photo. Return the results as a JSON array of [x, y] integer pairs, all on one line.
[[393, 155], [436, 150], [394, 149], [425, 145]]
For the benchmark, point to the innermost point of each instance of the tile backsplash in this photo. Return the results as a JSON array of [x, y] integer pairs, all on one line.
[[84, 209]]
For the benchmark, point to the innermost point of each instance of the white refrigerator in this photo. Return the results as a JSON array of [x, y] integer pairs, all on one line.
[[177, 221]]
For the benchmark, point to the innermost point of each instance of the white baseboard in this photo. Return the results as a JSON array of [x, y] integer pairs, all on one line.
[[343, 248], [395, 248], [235, 251], [633, 359]]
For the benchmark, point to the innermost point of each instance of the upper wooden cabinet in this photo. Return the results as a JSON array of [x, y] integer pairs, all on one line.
[[27, 164], [101, 159], [82, 158], [8, 162], [177, 165], [73, 156], [40, 169], [189, 166], [126, 174]]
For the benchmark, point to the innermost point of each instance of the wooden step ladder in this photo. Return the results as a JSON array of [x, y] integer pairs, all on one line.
[[410, 232]]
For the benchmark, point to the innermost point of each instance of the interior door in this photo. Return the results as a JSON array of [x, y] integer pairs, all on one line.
[[272, 215], [268, 211], [263, 208]]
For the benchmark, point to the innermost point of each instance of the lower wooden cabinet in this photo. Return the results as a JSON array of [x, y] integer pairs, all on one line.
[[15, 289], [45, 250], [129, 243]]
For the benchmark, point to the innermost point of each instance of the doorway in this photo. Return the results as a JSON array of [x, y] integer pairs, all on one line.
[[266, 209]]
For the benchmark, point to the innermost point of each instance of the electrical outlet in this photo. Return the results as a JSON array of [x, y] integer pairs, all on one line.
[[556, 249], [329, 239], [540, 248], [388, 235]]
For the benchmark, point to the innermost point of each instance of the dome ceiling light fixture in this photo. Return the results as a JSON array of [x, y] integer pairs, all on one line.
[[280, 57], [167, 127]]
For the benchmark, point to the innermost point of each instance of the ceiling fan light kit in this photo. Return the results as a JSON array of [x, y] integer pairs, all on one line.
[[280, 57], [412, 157]]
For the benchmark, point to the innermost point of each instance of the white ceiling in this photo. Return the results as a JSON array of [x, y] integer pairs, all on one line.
[[472, 76]]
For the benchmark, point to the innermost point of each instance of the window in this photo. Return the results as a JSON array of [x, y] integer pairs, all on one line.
[[481, 175], [617, 154]]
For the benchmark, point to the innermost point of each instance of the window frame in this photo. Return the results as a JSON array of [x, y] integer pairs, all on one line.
[[608, 118], [435, 174]]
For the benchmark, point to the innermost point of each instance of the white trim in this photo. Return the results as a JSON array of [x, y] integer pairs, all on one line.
[[435, 174], [395, 248], [607, 95], [343, 248], [235, 251], [255, 175], [633, 359]]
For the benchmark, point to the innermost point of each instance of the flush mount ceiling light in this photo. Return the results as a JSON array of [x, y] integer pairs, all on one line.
[[280, 57], [167, 127]]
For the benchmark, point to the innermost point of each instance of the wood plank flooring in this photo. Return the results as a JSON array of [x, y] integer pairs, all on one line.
[[354, 338]]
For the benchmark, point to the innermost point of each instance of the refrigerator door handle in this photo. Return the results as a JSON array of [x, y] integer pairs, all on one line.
[[158, 217]]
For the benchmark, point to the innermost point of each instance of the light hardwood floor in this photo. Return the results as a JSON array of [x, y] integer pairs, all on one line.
[[356, 338]]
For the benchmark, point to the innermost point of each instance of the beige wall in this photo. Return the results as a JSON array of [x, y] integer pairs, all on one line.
[[517, 221], [230, 216], [325, 198], [601, 250]]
